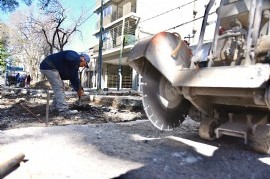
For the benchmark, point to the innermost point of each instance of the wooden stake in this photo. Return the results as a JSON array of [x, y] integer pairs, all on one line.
[[47, 108]]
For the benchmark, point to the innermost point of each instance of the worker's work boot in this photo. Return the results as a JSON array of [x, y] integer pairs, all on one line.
[[68, 112]]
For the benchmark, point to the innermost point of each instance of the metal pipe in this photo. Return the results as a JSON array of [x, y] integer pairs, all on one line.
[[257, 23], [250, 31], [214, 46], [119, 84], [8, 165], [228, 92], [204, 23], [100, 48]]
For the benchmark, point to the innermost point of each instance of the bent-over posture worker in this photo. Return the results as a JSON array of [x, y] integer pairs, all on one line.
[[63, 66]]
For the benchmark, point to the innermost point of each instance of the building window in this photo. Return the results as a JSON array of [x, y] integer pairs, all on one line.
[[107, 11], [112, 76]]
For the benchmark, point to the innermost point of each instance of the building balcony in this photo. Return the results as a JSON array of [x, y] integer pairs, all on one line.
[[109, 44], [105, 2], [115, 17]]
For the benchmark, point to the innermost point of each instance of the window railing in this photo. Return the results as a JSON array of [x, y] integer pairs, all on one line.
[[112, 38], [113, 17]]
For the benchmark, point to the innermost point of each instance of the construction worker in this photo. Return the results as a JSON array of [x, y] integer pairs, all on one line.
[[18, 79], [27, 81], [63, 66]]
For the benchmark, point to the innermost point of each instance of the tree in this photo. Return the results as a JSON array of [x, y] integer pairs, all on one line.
[[56, 27], [11, 5], [3, 54], [26, 46], [45, 3], [3, 45]]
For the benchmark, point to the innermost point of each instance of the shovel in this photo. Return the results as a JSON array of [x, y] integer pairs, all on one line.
[[78, 104]]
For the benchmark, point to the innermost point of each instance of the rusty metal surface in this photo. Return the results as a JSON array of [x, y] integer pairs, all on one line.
[[158, 51]]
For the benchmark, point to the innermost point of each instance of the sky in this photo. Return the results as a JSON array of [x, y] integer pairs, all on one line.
[[80, 42], [85, 40]]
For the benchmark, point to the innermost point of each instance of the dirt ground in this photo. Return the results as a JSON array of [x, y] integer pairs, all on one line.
[[17, 112], [106, 142]]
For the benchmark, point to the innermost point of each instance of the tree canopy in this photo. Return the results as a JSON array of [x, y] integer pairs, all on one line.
[[11, 5], [3, 54]]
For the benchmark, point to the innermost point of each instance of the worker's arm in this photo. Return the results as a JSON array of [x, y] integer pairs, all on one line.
[[74, 80], [74, 61]]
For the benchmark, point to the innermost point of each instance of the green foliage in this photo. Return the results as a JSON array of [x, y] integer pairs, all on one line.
[[8, 5], [11, 5], [3, 54], [44, 4]]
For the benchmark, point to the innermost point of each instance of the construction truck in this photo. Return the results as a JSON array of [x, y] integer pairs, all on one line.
[[227, 90]]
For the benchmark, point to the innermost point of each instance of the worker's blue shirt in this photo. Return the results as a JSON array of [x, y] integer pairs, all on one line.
[[67, 63]]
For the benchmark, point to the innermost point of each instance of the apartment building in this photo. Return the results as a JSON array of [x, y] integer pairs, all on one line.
[[127, 21]]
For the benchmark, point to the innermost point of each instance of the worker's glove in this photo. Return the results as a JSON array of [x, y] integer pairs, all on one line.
[[80, 91]]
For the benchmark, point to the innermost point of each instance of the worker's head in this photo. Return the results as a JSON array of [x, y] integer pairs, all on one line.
[[85, 59]]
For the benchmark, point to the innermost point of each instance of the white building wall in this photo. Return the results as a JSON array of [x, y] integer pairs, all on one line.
[[164, 16]]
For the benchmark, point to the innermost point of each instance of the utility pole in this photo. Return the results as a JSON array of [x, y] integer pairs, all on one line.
[[119, 84], [100, 48]]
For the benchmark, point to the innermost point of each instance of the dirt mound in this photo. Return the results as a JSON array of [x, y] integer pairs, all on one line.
[[42, 85], [45, 85]]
